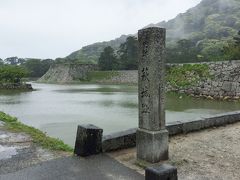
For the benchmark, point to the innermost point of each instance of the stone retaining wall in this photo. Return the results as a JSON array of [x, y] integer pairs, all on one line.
[[15, 86], [223, 83], [123, 77], [127, 139], [64, 73]]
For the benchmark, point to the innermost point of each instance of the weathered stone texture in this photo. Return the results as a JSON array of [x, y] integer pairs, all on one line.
[[152, 136], [122, 77], [88, 140], [161, 172], [224, 81], [151, 78], [16, 86], [152, 146], [65, 73], [120, 140]]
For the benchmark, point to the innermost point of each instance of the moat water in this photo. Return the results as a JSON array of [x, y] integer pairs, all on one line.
[[58, 109]]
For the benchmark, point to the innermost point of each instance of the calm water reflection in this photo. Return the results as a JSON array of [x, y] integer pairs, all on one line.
[[58, 109]]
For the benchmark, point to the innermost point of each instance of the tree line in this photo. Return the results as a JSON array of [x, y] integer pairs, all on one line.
[[125, 58], [12, 74], [33, 67], [183, 51]]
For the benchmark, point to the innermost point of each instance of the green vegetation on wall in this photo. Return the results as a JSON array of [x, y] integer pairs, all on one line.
[[38, 136], [178, 76], [187, 74]]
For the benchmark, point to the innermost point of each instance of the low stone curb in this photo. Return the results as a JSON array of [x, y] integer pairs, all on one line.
[[127, 139], [119, 140]]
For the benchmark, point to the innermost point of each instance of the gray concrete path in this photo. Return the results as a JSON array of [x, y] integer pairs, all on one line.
[[98, 167]]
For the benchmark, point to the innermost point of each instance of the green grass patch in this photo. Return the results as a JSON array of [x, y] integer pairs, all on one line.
[[187, 75], [96, 76], [38, 136]]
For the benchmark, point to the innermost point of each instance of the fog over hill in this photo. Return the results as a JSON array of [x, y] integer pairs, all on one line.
[[210, 23]]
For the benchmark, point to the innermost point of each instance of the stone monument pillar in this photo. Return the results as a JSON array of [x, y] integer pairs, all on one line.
[[152, 136]]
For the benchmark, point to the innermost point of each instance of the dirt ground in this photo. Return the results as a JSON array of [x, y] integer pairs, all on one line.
[[17, 151], [212, 154]]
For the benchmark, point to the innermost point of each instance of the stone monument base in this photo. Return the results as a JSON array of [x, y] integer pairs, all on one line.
[[152, 146]]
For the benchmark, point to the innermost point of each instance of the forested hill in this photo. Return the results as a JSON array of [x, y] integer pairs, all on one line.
[[91, 53], [211, 24], [211, 19]]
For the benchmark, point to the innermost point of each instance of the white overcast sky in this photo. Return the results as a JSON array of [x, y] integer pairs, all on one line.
[[55, 28]]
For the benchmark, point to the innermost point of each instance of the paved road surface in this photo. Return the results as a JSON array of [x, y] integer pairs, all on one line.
[[100, 167]]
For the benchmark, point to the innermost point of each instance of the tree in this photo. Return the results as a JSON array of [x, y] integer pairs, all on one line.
[[14, 61], [11, 60], [232, 51], [128, 53], [1, 62], [12, 74], [184, 51], [108, 60], [45, 65], [60, 60], [237, 39], [37, 67]]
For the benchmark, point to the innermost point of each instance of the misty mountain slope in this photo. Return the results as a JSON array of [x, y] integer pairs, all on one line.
[[208, 22], [91, 53], [211, 19]]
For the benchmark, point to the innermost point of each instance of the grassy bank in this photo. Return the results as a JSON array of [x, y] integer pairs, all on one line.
[[38, 136]]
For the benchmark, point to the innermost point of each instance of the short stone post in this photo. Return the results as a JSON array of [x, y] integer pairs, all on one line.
[[152, 136], [163, 172], [88, 140]]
